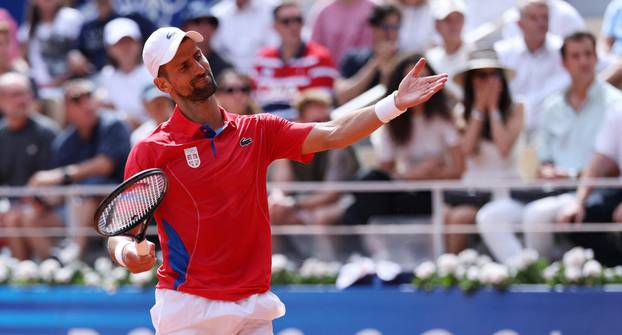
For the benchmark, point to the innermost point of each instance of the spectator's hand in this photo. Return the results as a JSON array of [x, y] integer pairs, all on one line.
[[46, 178], [281, 208], [136, 263], [481, 90], [574, 213], [551, 172], [415, 90], [494, 94], [78, 65], [617, 214], [427, 169]]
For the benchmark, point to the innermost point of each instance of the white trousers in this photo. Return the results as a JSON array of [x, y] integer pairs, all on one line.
[[179, 313], [505, 244]]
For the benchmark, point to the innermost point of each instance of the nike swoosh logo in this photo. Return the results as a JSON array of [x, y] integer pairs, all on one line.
[[169, 35], [245, 141]]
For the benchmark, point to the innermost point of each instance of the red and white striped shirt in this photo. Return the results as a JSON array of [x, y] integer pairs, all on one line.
[[278, 80]]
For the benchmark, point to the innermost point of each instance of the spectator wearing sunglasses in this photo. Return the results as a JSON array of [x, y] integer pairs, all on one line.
[[92, 150], [234, 93], [197, 16], [296, 65], [364, 68]]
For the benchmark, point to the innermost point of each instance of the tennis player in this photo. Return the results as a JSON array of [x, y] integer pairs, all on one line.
[[213, 224]]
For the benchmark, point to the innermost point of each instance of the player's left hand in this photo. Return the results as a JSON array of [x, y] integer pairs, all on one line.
[[415, 90]]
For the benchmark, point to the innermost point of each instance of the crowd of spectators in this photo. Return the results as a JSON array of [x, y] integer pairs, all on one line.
[[536, 98]]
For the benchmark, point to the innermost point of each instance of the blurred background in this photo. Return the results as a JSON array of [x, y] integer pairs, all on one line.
[[508, 176]]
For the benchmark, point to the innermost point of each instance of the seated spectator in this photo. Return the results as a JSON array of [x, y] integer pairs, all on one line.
[[124, 80], [92, 150], [159, 107], [91, 46], [317, 208], [600, 205], [535, 58], [296, 65], [417, 33], [234, 93], [25, 147], [564, 20], [491, 124], [8, 62], [572, 119], [453, 53], [197, 16], [421, 144], [336, 34], [5, 16], [46, 37], [365, 68], [245, 28]]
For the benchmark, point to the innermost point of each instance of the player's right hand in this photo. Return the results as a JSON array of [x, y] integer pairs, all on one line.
[[136, 263]]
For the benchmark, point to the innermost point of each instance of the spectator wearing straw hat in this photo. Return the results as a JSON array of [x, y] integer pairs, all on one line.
[[316, 208], [491, 123]]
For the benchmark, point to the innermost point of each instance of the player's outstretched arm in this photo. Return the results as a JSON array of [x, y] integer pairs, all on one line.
[[350, 128]]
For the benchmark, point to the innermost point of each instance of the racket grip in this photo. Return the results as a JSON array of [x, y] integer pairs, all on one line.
[[142, 248]]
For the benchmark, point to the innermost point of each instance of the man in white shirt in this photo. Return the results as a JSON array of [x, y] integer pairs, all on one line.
[[453, 54], [245, 28], [417, 33], [571, 122], [536, 60], [600, 205], [564, 20]]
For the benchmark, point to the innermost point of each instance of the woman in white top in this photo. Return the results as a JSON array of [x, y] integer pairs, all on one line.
[[491, 123], [421, 144]]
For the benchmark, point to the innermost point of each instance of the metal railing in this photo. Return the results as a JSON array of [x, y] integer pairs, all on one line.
[[437, 229]]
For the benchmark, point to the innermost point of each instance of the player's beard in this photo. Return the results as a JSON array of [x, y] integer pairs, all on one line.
[[202, 92]]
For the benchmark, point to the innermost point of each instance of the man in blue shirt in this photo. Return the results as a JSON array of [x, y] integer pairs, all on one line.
[[91, 150]]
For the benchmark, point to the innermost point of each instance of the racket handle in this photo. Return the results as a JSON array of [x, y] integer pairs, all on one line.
[[142, 248]]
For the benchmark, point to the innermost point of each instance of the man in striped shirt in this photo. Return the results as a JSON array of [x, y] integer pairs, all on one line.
[[280, 73]]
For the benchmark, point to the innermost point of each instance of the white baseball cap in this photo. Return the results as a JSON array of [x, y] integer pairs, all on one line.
[[162, 46], [442, 8], [121, 27]]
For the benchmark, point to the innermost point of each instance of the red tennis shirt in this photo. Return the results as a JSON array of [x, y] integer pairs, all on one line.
[[213, 223]]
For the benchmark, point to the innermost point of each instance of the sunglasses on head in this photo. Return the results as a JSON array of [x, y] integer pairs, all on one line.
[[291, 20], [233, 89]]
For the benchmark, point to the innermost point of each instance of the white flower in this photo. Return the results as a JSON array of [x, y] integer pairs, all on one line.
[[483, 260], [468, 256], [425, 270], [103, 265], [472, 273], [609, 274], [387, 271], [26, 270], [461, 271], [592, 269], [91, 278], [48, 268], [312, 268], [575, 257], [588, 254], [493, 273], [523, 260], [279, 263], [618, 270], [142, 278], [572, 274], [119, 273], [447, 264], [351, 272], [332, 268], [4, 272], [64, 275], [551, 271]]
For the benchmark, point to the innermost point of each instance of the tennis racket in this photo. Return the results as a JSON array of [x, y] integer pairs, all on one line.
[[130, 205]]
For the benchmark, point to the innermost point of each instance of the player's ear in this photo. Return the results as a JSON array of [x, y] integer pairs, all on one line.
[[162, 84]]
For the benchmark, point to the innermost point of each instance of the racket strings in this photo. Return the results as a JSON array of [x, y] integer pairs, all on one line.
[[132, 205]]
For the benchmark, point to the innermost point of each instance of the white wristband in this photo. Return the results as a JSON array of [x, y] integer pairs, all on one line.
[[386, 110], [118, 252]]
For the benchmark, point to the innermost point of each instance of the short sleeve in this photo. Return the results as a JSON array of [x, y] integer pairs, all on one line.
[[608, 139], [114, 142], [285, 138], [140, 158], [383, 147]]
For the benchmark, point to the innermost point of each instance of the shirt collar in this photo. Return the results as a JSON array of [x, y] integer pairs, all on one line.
[[181, 123]]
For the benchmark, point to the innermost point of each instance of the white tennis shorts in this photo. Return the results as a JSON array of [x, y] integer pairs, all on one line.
[[178, 313]]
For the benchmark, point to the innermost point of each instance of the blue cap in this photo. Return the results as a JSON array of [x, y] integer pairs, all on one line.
[[198, 9]]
